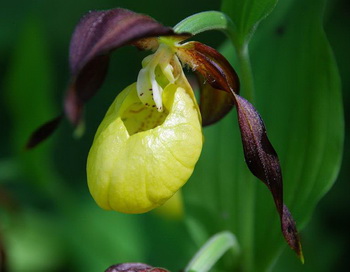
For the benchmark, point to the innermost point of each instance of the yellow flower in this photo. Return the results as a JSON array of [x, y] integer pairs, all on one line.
[[142, 152]]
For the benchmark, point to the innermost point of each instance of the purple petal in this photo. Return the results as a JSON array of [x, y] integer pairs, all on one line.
[[263, 162], [100, 32], [260, 155], [290, 232], [95, 37], [213, 66], [217, 79], [214, 104], [43, 132], [84, 86]]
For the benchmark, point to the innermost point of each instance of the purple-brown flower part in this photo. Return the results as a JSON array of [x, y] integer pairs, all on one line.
[[218, 76], [95, 37], [290, 232], [43, 132], [97, 34], [263, 162], [213, 66], [260, 156], [134, 267], [214, 104]]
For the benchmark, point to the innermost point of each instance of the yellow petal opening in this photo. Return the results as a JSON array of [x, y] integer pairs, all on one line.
[[140, 157]]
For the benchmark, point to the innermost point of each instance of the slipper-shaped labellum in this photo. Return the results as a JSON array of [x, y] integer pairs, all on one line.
[[143, 153]]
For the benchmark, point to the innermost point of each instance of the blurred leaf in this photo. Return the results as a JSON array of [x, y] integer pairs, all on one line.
[[172, 209], [28, 90], [298, 95], [32, 243], [97, 239], [212, 251], [246, 14], [29, 81], [306, 92], [204, 21], [9, 169]]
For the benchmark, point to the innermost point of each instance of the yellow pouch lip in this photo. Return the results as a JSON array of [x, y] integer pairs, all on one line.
[[103, 196], [123, 100]]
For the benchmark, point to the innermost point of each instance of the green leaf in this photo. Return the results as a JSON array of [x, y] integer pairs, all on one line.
[[32, 243], [204, 21], [211, 252], [28, 92], [97, 239], [29, 79], [246, 14], [298, 95], [306, 95]]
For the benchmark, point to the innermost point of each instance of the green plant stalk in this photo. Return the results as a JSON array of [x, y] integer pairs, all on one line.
[[247, 221], [246, 224], [212, 251], [246, 75]]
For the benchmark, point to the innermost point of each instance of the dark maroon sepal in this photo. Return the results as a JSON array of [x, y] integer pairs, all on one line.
[[214, 104], [217, 76], [290, 233], [97, 34], [95, 37], [259, 154], [263, 162], [100, 32], [43, 132], [213, 66], [84, 86]]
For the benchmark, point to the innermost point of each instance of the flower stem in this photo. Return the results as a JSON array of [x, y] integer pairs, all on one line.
[[246, 75], [247, 222], [248, 184]]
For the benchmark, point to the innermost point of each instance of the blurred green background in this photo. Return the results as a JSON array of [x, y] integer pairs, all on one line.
[[48, 221]]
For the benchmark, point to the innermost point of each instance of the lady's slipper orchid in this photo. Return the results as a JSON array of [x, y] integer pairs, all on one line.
[[150, 139]]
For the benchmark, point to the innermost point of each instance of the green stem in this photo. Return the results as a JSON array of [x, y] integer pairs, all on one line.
[[246, 75], [212, 251], [247, 221]]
